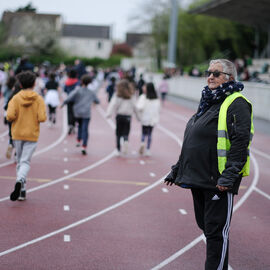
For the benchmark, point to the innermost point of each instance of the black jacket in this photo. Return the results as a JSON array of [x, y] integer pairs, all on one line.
[[197, 166]]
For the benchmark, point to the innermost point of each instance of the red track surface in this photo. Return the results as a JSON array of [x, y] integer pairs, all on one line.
[[120, 216]]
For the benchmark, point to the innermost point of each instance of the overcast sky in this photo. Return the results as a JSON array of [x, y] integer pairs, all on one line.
[[100, 12]]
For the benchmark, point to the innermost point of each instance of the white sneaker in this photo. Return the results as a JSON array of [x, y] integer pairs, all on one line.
[[148, 153], [125, 147], [141, 150], [9, 151], [117, 153]]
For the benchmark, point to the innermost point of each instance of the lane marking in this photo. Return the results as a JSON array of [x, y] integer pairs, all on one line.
[[152, 174], [66, 238], [262, 193], [165, 190], [179, 253], [82, 180], [66, 208], [4, 134], [178, 116], [142, 162], [49, 147], [111, 181], [260, 153], [94, 165], [65, 150], [28, 179], [66, 187], [91, 217], [103, 114], [66, 171], [65, 159], [183, 211]]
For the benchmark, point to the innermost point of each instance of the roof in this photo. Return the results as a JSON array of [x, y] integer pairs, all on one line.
[[132, 39], [86, 31], [7, 15], [249, 12]]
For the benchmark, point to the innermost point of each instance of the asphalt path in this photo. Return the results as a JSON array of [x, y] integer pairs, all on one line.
[[101, 211]]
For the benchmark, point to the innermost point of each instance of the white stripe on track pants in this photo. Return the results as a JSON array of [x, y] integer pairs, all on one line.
[[213, 211]]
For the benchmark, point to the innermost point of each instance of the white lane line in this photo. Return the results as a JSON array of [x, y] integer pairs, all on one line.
[[165, 190], [262, 193], [66, 187], [152, 174], [49, 147], [142, 162], [183, 211], [179, 116], [260, 153], [66, 171], [4, 134], [65, 159], [66, 208], [179, 253], [170, 134], [94, 165], [65, 150], [79, 222], [103, 114], [199, 238], [66, 238]]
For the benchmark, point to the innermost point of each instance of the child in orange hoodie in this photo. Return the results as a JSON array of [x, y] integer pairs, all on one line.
[[25, 110]]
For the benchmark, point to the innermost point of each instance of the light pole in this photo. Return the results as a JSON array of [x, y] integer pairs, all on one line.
[[173, 32]]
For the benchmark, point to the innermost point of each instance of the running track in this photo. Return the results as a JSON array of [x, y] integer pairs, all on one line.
[[105, 212]]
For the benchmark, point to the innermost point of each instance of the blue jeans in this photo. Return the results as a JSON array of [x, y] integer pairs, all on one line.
[[83, 130]]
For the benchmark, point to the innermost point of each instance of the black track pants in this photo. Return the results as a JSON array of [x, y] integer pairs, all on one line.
[[213, 211]]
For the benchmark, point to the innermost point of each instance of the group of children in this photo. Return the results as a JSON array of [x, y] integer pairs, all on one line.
[[146, 109], [26, 109]]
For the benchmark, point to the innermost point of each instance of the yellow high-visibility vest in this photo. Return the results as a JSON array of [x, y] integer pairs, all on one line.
[[223, 143]]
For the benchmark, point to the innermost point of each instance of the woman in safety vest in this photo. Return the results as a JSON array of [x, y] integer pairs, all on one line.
[[215, 157]]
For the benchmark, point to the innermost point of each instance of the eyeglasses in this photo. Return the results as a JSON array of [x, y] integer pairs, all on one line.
[[215, 73]]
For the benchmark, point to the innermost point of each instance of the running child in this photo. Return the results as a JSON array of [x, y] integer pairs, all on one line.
[[148, 106], [25, 110]]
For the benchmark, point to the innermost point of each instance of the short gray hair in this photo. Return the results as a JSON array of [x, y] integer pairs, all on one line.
[[227, 65]]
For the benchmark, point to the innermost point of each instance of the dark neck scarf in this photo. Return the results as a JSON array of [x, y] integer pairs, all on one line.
[[210, 97]]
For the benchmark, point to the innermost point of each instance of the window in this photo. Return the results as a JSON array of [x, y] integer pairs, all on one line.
[[99, 45]]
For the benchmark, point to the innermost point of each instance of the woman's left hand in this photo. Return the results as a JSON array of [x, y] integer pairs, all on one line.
[[221, 188]]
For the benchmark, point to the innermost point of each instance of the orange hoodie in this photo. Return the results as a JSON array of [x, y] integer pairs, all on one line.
[[26, 110]]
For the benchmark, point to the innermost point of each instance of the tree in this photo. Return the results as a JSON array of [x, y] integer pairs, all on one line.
[[27, 8], [121, 49]]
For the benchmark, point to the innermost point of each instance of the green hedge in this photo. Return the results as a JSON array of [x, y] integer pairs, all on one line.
[[8, 54]]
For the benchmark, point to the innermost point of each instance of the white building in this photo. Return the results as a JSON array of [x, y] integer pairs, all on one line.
[[86, 40]]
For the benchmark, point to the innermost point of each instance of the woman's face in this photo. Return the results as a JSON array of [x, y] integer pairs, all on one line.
[[212, 81]]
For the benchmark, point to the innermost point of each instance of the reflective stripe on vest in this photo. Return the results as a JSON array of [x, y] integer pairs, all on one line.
[[223, 143]]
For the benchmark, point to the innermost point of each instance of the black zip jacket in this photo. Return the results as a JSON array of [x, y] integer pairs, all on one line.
[[197, 166]]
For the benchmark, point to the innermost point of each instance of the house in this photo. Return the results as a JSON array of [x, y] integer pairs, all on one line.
[[86, 40], [141, 44], [30, 29], [37, 32]]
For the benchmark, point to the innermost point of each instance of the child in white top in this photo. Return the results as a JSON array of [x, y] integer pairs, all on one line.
[[123, 105], [148, 106]]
